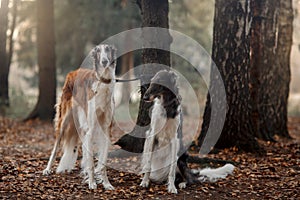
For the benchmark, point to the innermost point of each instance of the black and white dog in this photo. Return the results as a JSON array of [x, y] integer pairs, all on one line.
[[163, 143]]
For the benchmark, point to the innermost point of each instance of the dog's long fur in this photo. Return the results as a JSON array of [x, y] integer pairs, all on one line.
[[163, 141], [85, 111]]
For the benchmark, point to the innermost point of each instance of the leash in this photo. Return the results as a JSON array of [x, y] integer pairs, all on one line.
[[127, 80], [134, 79], [107, 81]]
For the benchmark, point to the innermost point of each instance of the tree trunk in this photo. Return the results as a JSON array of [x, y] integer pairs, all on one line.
[[231, 54], [4, 70], [126, 66], [271, 41], [154, 14], [256, 48], [284, 46], [46, 61], [12, 28]]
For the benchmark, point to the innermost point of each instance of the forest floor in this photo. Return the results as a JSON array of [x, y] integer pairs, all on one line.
[[25, 149]]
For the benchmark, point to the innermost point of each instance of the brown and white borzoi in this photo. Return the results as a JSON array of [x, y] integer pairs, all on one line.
[[160, 160], [85, 111]]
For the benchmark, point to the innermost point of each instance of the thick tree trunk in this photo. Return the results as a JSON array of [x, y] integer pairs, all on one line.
[[285, 41], [271, 41], [231, 54], [126, 66], [46, 61], [256, 48], [4, 70], [154, 14]]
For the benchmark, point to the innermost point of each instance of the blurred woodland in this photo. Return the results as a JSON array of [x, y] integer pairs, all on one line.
[[78, 26]]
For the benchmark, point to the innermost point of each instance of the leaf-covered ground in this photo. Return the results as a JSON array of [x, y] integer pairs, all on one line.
[[25, 148]]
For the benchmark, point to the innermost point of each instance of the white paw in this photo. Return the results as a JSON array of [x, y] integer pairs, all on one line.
[[47, 172], [98, 179], [145, 183], [108, 186], [92, 185], [172, 189], [60, 170], [182, 185]]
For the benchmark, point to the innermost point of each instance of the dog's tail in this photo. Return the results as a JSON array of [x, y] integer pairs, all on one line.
[[212, 175], [70, 140], [192, 176], [65, 127]]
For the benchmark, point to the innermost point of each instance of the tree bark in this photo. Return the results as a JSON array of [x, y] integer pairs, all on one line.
[[154, 14], [4, 70], [256, 48], [271, 40], [231, 54], [285, 42], [46, 61]]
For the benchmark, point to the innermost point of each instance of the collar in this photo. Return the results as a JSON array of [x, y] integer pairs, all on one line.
[[105, 80], [102, 79]]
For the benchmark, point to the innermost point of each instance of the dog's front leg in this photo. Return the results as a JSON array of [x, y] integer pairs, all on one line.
[[87, 147], [102, 159], [172, 173], [89, 167], [147, 157]]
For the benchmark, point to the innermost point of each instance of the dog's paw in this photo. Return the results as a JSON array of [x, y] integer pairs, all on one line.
[[145, 183], [99, 180], [47, 172], [92, 185], [172, 189], [182, 185], [108, 186]]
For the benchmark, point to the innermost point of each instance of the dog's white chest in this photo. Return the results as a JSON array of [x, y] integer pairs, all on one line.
[[165, 129], [103, 94], [165, 134]]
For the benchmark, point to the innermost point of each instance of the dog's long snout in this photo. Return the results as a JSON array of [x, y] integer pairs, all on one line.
[[104, 63], [146, 97]]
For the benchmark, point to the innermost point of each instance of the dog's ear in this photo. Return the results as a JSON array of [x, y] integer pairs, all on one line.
[[113, 51], [174, 77], [96, 56], [95, 52]]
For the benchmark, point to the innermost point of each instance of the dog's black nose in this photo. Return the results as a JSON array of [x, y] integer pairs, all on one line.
[[146, 97], [104, 62]]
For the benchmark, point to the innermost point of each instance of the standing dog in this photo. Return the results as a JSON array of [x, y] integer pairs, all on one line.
[[164, 142], [87, 101]]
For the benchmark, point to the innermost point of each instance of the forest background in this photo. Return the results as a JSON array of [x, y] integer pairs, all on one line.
[[77, 30]]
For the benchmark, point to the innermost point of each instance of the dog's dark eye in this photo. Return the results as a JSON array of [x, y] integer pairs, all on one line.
[[106, 48]]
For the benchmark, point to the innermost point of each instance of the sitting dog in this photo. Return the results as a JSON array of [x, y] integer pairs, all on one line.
[[87, 98], [163, 142]]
